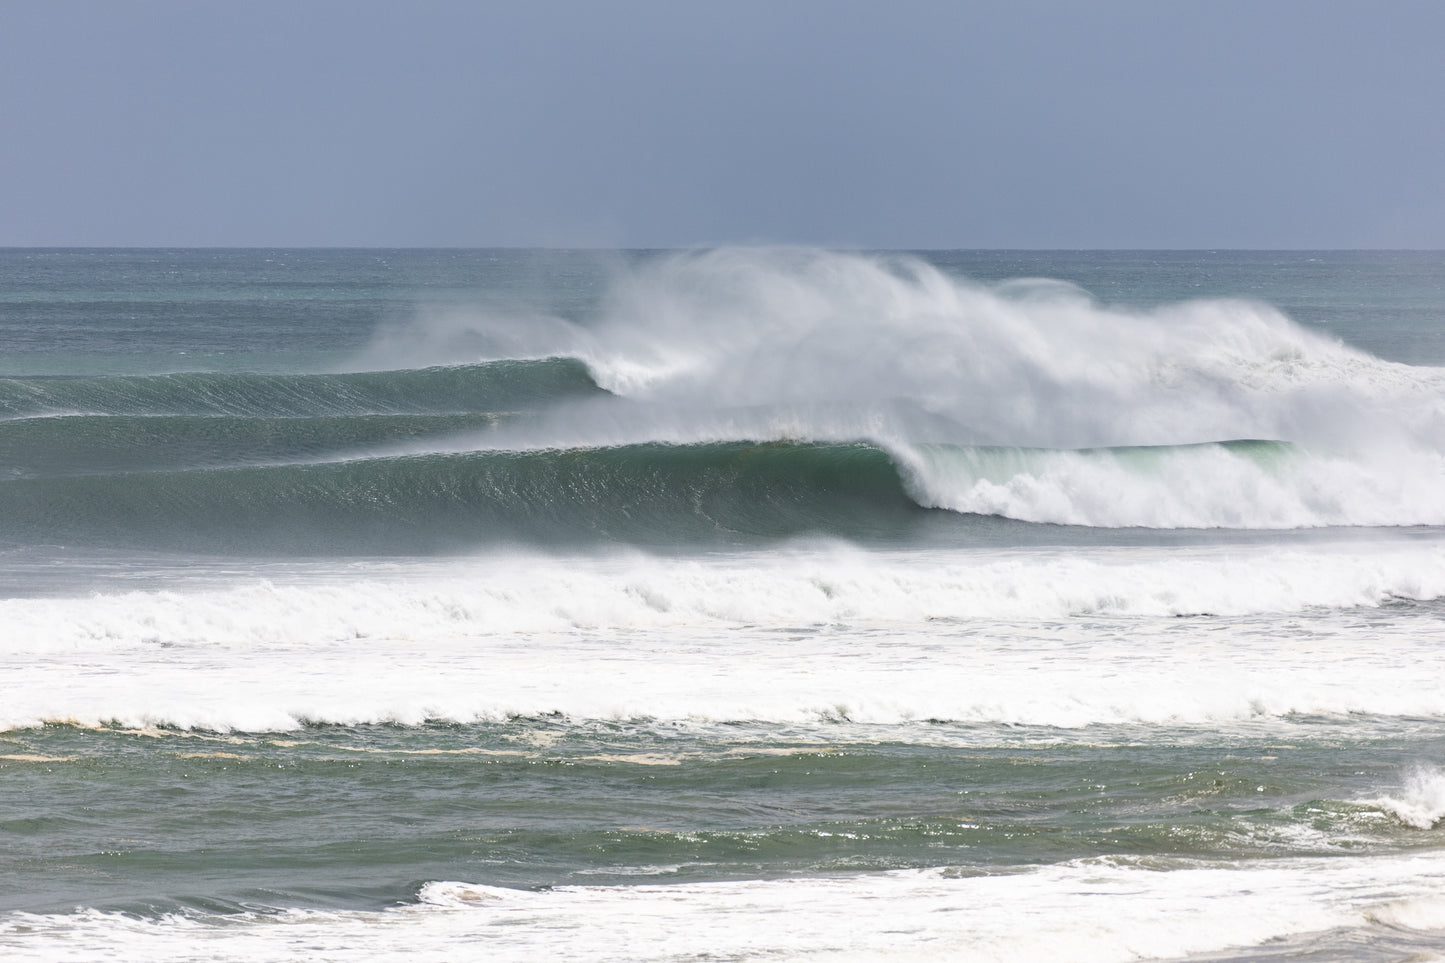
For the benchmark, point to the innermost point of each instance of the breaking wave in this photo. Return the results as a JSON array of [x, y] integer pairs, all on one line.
[[745, 394]]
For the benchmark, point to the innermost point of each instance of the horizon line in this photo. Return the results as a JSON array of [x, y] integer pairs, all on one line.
[[704, 247]]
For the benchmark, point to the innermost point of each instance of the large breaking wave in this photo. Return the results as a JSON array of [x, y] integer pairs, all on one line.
[[746, 393], [656, 493]]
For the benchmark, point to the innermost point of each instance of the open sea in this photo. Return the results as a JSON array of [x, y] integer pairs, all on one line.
[[738, 604]]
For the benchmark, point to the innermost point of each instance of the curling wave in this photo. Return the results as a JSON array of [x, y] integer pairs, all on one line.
[[746, 394], [656, 493]]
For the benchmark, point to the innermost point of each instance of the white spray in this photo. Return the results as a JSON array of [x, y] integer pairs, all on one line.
[[796, 344]]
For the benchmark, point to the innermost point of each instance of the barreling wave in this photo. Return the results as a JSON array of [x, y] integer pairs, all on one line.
[[746, 394], [656, 493], [447, 389], [1026, 400]]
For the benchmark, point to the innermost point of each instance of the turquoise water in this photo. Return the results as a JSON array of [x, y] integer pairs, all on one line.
[[724, 604]]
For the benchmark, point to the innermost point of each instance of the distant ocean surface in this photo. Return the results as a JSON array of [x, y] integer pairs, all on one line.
[[722, 605]]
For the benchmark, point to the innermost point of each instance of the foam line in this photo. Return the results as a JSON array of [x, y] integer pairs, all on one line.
[[1063, 640], [1096, 910]]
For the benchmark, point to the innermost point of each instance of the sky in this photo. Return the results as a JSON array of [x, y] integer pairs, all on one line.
[[624, 123]]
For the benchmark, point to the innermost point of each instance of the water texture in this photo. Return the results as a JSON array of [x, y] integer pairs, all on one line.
[[731, 604]]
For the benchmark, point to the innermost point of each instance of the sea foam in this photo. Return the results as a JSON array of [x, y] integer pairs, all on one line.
[[1095, 910], [1063, 639], [509, 593], [1420, 802]]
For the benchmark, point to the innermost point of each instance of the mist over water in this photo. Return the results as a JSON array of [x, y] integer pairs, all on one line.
[[1034, 363]]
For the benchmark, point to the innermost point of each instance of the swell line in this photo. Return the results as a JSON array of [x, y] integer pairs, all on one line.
[[434, 390], [645, 493]]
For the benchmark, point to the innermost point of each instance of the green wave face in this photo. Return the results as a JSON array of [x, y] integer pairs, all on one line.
[[648, 493]]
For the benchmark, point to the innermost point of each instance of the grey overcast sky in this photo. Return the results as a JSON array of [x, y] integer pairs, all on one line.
[[905, 124]]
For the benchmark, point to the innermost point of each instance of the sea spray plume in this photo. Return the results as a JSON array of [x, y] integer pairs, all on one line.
[[447, 334], [1026, 399], [1027, 363], [984, 395], [910, 351]]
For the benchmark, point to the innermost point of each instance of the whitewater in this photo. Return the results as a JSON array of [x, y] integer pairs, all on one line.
[[741, 603]]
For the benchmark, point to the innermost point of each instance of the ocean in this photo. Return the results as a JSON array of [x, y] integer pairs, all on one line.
[[733, 604]]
